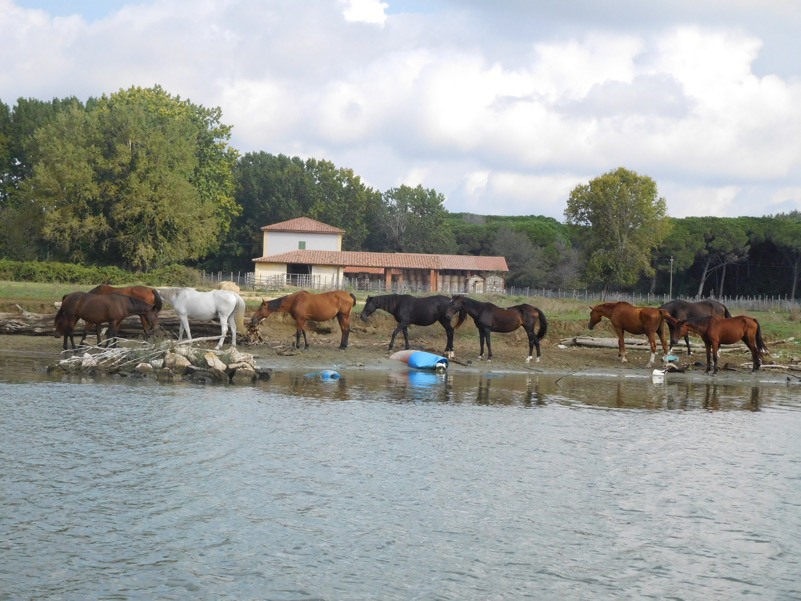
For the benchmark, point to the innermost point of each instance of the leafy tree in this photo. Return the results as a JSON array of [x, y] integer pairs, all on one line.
[[784, 231], [725, 243], [525, 261], [138, 178], [274, 188], [413, 220], [624, 221]]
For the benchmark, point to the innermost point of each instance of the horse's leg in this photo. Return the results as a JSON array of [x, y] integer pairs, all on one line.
[[395, 333], [344, 325], [223, 330], [752, 346], [710, 365], [300, 323], [533, 341], [665, 347], [652, 345], [145, 326], [621, 345], [687, 341], [232, 327], [480, 342], [449, 335], [489, 348]]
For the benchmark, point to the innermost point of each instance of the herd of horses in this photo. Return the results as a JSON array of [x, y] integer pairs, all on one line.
[[105, 304]]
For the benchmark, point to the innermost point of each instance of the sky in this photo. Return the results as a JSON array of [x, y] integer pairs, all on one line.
[[504, 107]]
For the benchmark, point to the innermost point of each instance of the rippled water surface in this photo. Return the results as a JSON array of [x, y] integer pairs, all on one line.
[[400, 486]]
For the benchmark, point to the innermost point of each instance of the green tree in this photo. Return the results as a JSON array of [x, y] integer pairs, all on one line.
[[725, 242], [623, 220], [413, 220], [139, 178]]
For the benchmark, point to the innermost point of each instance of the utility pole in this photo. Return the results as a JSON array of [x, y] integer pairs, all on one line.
[[670, 294]]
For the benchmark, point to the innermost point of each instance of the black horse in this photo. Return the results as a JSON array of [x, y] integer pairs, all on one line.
[[684, 310], [491, 318], [415, 310]]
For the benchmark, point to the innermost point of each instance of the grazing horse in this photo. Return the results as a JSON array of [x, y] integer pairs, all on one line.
[[419, 311], [491, 318], [317, 307], [681, 309], [99, 309], [716, 330], [625, 317], [149, 295], [224, 305]]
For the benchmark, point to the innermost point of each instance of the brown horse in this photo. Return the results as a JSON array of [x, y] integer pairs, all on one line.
[[626, 317], [715, 331], [681, 309], [99, 309], [145, 293], [491, 318], [318, 307]]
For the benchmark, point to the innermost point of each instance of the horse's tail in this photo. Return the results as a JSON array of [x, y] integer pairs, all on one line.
[[760, 343], [727, 314], [157, 302], [239, 316], [543, 324], [354, 300]]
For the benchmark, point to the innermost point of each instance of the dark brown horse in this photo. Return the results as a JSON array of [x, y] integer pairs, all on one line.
[[626, 317], [145, 293], [715, 331], [317, 307], [681, 309], [99, 309], [414, 310], [491, 318]]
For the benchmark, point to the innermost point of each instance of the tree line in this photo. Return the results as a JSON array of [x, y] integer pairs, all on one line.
[[142, 179]]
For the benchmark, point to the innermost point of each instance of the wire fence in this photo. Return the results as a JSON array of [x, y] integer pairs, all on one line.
[[278, 282]]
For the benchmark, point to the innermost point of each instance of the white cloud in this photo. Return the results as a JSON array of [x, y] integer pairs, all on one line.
[[502, 107], [366, 11]]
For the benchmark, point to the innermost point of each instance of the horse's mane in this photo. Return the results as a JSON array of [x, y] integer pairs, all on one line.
[[275, 304]]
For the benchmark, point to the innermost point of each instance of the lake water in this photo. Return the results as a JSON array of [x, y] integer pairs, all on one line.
[[397, 486]]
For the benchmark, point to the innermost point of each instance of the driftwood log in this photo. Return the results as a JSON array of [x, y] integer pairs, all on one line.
[[41, 324]]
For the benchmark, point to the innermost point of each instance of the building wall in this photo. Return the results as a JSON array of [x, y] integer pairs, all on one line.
[[329, 276], [276, 243], [264, 270]]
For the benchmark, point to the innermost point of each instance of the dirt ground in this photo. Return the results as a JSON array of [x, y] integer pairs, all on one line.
[[368, 348]]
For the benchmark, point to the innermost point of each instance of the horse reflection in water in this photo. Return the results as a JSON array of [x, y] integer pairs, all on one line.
[[626, 317], [715, 331]]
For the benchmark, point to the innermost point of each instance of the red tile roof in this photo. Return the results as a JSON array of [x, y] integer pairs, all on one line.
[[303, 225], [388, 260]]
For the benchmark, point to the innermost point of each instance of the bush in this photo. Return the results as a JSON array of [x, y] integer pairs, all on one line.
[[69, 273]]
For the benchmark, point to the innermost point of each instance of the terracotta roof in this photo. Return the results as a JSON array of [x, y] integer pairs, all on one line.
[[303, 225], [390, 260]]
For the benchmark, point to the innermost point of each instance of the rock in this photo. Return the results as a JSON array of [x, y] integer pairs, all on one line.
[[176, 362], [213, 361], [144, 368], [243, 375]]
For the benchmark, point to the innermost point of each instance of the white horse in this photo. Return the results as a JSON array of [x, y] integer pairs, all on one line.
[[225, 305]]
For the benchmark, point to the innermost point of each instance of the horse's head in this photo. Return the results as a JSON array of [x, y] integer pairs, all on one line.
[[152, 318], [369, 308], [595, 316], [261, 313], [455, 306], [680, 329]]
